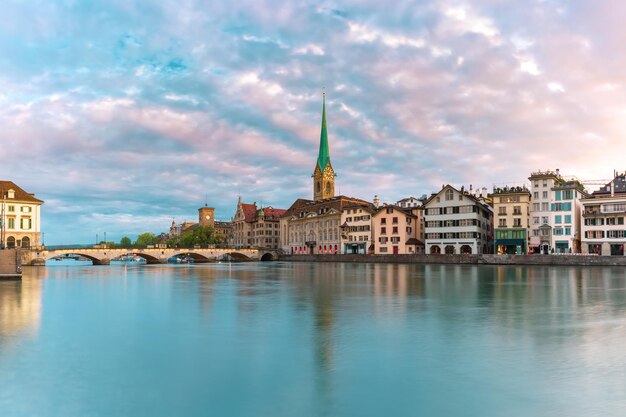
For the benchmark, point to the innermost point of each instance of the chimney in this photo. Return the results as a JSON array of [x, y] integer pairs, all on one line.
[[613, 188], [376, 201]]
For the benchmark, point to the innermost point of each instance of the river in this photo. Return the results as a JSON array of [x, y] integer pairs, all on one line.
[[313, 339]]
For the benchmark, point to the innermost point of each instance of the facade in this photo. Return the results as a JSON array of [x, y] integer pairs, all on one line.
[[254, 227], [206, 218], [603, 231], [224, 230], [396, 230], [20, 219], [457, 222], [565, 212], [511, 210], [541, 184], [356, 228]]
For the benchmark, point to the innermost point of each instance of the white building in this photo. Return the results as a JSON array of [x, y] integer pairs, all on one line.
[[458, 222], [565, 210], [541, 184], [20, 219], [603, 231], [409, 202]]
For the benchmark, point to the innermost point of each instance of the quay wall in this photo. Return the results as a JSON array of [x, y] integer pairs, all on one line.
[[9, 264], [573, 260]]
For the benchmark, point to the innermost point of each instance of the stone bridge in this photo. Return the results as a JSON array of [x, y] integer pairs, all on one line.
[[102, 256]]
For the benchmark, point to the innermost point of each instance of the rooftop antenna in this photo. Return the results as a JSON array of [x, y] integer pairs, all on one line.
[[206, 199]]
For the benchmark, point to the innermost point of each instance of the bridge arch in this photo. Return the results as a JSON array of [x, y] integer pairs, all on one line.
[[149, 258], [269, 256], [94, 260], [239, 257]]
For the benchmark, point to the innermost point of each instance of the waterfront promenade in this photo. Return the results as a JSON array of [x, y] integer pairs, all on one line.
[[545, 260]]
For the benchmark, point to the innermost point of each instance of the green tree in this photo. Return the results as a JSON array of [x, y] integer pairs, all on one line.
[[125, 242], [145, 239], [198, 236]]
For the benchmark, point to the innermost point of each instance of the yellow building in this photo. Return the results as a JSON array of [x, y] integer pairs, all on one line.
[[20, 218], [511, 207], [396, 230]]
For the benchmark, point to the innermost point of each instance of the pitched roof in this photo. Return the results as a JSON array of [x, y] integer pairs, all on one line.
[[404, 210], [251, 213], [308, 206], [619, 187], [20, 194]]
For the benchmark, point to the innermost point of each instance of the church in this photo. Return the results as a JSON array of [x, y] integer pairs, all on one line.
[[314, 226]]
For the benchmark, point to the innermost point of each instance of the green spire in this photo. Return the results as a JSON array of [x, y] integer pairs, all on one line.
[[324, 156]]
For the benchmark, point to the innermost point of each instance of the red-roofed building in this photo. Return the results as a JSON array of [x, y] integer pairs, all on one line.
[[256, 227]]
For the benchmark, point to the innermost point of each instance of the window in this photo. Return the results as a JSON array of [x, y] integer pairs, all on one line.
[[545, 207], [11, 223], [544, 194], [502, 210], [545, 183], [394, 230], [536, 184], [535, 220], [535, 206], [11, 208], [394, 220], [25, 209], [557, 219], [517, 210], [383, 249], [502, 223], [567, 194], [383, 230], [383, 221], [536, 195], [517, 222], [568, 231], [449, 195], [544, 220], [382, 240], [568, 219]]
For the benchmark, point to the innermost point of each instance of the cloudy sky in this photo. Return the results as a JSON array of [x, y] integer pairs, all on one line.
[[122, 114]]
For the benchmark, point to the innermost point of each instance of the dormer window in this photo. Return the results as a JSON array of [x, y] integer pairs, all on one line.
[[11, 193]]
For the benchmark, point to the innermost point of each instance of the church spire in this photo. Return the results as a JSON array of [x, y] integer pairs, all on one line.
[[323, 158], [323, 175]]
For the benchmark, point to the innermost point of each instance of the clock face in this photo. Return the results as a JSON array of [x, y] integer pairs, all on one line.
[[207, 217]]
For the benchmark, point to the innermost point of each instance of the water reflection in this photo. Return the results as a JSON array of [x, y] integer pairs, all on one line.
[[20, 308]]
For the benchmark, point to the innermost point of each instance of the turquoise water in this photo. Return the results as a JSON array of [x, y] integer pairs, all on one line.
[[296, 339]]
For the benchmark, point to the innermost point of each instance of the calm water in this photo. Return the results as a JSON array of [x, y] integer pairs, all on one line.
[[289, 339]]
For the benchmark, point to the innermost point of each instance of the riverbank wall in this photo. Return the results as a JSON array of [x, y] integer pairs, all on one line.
[[566, 260], [10, 267]]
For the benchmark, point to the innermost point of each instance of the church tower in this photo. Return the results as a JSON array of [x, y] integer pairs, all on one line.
[[323, 175]]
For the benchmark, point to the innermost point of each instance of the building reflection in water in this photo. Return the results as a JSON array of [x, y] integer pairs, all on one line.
[[20, 306]]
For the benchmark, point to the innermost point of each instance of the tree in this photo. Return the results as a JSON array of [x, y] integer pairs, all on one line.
[[145, 239], [204, 235], [125, 242]]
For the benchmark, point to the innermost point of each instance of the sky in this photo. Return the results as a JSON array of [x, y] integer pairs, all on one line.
[[124, 115]]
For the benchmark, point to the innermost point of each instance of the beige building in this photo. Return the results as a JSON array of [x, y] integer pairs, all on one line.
[[511, 208], [541, 184], [254, 227], [396, 230], [356, 228], [603, 219], [20, 218]]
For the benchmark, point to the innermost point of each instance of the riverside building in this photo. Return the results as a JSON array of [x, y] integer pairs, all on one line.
[[256, 227], [603, 231], [458, 222], [541, 185], [356, 228], [565, 210], [396, 230], [511, 208], [20, 217]]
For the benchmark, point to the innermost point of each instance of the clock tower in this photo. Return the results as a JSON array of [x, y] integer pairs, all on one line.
[[323, 173], [206, 216]]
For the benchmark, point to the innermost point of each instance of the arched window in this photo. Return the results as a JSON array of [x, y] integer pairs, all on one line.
[[466, 250], [328, 187], [26, 242], [435, 250], [449, 195], [10, 242], [319, 186], [450, 250]]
